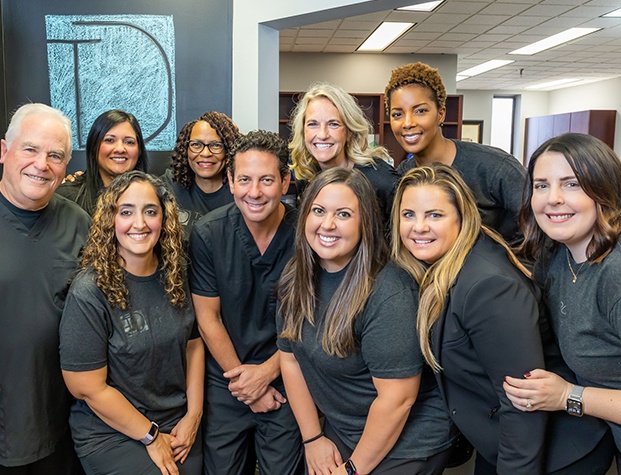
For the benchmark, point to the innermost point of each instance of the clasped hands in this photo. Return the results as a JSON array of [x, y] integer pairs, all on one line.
[[250, 384]]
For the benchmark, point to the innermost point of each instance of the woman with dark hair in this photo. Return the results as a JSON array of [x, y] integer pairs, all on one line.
[[478, 317], [571, 217], [197, 174], [114, 146], [348, 341], [416, 104], [130, 350], [329, 129]]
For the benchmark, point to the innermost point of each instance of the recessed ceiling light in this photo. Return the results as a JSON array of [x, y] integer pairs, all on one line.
[[552, 84], [422, 7], [483, 68], [615, 13], [554, 40], [384, 35]]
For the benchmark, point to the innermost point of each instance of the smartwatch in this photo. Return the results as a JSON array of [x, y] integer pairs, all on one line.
[[154, 431], [350, 468], [574, 402]]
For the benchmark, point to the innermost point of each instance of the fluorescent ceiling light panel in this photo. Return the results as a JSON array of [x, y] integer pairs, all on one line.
[[555, 40], [460, 78], [483, 68], [384, 35], [551, 84], [614, 14], [422, 7]]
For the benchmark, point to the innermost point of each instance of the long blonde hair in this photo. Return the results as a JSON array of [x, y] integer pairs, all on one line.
[[357, 148], [296, 288], [436, 281]]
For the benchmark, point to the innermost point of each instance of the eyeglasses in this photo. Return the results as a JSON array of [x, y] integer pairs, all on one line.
[[196, 146]]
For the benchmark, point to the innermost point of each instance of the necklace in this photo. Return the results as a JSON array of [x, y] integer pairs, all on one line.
[[571, 269]]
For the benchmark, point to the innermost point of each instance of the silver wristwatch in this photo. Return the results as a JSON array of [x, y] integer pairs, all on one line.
[[151, 435], [574, 401]]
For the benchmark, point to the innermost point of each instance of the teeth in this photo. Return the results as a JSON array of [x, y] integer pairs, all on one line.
[[422, 241], [254, 205], [38, 178], [323, 145], [559, 217], [138, 237], [119, 159], [327, 238]]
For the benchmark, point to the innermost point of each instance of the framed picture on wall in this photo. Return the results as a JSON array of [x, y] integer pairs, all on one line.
[[472, 131]]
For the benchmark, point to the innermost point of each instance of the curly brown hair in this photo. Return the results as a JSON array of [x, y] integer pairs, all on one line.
[[420, 74], [101, 250], [225, 128]]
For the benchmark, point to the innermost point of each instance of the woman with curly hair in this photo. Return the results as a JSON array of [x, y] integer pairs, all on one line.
[[348, 342], [197, 174], [571, 216], [328, 130], [114, 146], [416, 104], [130, 350]]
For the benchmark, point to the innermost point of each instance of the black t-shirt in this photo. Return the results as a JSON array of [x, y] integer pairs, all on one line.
[[225, 262], [195, 203], [143, 347], [36, 264]]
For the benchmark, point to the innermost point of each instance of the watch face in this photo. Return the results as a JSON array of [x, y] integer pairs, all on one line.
[[574, 407], [351, 470]]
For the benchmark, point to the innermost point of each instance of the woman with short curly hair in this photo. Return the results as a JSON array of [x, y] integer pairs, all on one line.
[[130, 349], [197, 174], [416, 104]]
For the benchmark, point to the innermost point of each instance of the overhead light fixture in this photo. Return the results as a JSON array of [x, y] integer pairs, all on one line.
[[422, 7], [483, 68], [614, 14], [552, 84], [554, 40], [384, 35], [460, 78]]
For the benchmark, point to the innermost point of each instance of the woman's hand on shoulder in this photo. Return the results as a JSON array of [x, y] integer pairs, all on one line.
[[161, 453], [540, 390], [183, 436], [322, 457]]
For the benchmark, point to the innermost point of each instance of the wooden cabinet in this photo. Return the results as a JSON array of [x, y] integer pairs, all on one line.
[[598, 123], [373, 107]]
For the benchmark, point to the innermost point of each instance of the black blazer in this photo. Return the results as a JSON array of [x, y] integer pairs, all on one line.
[[489, 329]]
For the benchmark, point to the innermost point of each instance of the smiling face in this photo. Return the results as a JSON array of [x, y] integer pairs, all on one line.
[[137, 225], [415, 118], [429, 223], [34, 164], [325, 134], [561, 207], [207, 166], [257, 187], [333, 226], [118, 152]]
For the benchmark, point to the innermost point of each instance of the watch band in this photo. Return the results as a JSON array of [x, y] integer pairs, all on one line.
[[350, 468], [576, 392], [574, 402], [151, 435]]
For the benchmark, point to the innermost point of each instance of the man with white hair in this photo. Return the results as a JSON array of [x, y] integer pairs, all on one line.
[[41, 235]]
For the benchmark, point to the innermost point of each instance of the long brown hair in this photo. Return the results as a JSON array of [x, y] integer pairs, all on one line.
[[101, 250], [598, 170], [296, 288]]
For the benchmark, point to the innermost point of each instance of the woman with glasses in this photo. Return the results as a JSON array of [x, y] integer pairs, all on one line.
[[114, 146], [197, 174]]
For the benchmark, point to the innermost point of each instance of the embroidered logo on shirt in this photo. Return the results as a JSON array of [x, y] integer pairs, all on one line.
[[134, 323], [563, 307]]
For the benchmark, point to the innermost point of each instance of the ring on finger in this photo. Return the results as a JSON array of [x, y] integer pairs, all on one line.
[[529, 404]]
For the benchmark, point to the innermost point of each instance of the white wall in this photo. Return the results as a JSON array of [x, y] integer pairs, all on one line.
[[358, 72]]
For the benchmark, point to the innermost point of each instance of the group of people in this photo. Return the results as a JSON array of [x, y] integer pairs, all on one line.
[[391, 323]]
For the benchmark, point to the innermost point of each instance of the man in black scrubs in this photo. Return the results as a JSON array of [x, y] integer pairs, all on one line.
[[237, 255], [40, 235]]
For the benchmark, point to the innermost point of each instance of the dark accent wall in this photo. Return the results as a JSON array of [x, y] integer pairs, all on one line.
[[203, 32]]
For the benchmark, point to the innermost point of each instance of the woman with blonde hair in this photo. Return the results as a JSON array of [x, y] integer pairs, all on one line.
[[129, 347], [478, 317], [348, 343], [328, 130]]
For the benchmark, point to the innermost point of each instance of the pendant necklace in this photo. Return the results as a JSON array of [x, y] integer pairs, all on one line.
[[571, 269]]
